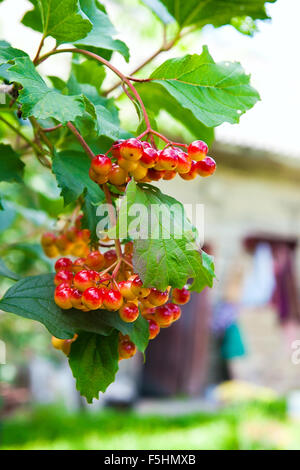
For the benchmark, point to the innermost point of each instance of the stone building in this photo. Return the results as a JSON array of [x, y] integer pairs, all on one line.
[[254, 195]]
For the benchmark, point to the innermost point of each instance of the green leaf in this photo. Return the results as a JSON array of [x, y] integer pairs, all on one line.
[[7, 215], [101, 36], [107, 122], [72, 173], [89, 72], [215, 12], [214, 93], [12, 167], [33, 298], [36, 98], [64, 21], [94, 363], [102, 118], [160, 10], [8, 53], [5, 272], [155, 99], [137, 331], [32, 18], [166, 248]]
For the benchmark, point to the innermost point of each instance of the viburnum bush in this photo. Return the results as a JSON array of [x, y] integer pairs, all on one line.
[[115, 287]]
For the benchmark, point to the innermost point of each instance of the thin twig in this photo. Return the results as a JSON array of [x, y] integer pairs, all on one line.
[[20, 133], [51, 129], [35, 60], [79, 137]]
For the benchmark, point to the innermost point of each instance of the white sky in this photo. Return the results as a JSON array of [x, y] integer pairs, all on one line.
[[272, 57]]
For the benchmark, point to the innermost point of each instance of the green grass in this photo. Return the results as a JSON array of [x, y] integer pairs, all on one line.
[[251, 426]]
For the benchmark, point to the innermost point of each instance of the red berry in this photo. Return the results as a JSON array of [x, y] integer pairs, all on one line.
[[116, 148], [92, 298], [112, 299], [197, 150], [99, 179], [127, 349], [181, 296], [125, 288], [63, 264], [176, 311], [155, 175], [71, 233], [148, 313], [84, 279], [192, 173], [84, 235], [145, 144], [110, 257], [78, 265], [131, 149], [129, 312], [168, 159], [206, 167], [62, 296], [63, 277], [137, 287], [48, 239], [95, 260], [149, 157], [184, 162], [164, 316], [62, 243], [154, 329], [157, 297], [169, 175], [101, 165], [75, 298]]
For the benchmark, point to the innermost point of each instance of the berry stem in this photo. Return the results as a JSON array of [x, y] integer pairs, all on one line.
[[79, 137], [112, 218], [109, 268], [116, 270], [166, 46], [51, 129]]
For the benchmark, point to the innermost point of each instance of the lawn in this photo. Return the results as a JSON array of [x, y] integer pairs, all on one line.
[[245, 426]]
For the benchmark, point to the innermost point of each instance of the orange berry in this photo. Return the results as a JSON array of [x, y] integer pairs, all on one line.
[[127, 349], [62, 296], [117, 175], [129, 312], [154, 329], [95, 260]]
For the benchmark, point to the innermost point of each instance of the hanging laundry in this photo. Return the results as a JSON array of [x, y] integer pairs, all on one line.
[[260, 282]]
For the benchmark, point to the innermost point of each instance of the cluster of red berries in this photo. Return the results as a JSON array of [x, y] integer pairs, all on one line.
[[141, 161], [91, 283], [73, 241]]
